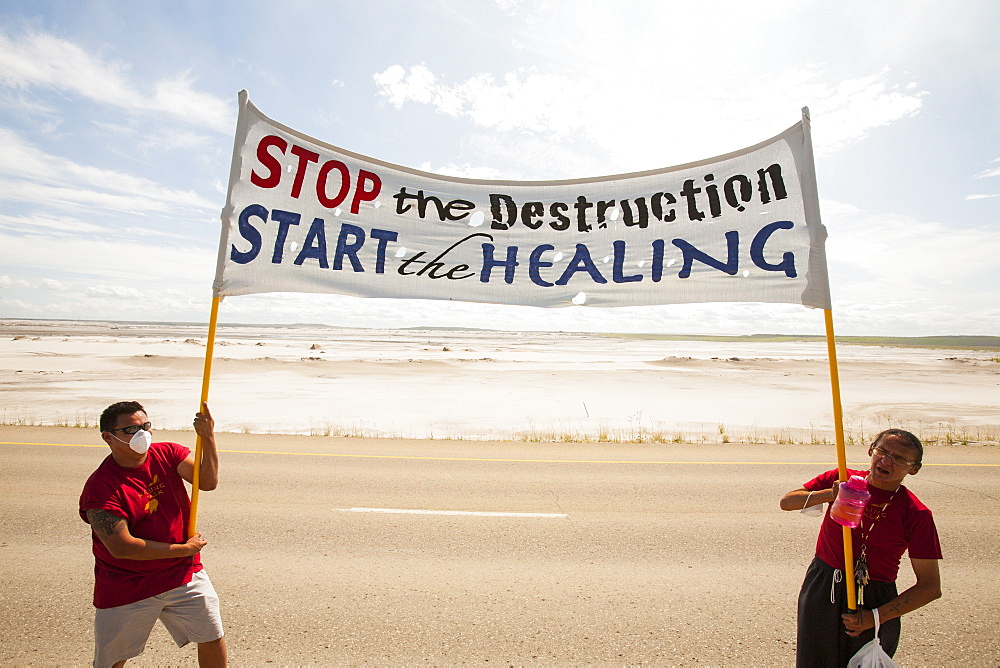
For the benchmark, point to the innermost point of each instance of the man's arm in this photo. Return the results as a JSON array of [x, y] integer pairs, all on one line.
[[113, 531], [797, 498], [208, 475], [926, 589]]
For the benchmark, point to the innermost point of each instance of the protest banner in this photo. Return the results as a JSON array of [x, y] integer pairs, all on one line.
[[305, 216]]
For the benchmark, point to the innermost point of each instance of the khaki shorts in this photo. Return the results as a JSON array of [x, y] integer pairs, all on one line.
[[190, 613]]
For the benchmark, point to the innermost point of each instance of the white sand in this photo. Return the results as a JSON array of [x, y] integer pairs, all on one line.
[[527, 386]]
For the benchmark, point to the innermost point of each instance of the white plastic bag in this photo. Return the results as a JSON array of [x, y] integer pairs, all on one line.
[[871, 654], [812, 511]]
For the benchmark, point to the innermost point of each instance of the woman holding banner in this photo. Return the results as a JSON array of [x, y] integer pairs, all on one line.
[[894, 521]]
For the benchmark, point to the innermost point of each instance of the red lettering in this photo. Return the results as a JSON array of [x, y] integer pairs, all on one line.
[[269, 161], [305, 157], [345, 183], [363, 195]]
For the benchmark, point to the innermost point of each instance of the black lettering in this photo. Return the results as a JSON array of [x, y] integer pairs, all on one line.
[[712, 190], [498, 218], [745, 194], [777, 183], [532, 210], [562, 221], [689, 191], [581, 207]]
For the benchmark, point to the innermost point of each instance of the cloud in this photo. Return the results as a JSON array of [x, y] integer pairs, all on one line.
[[988, 173], [46, 179], [50, 224], [138, 263], [54, 285], [39, 60], [176, 96], [919, 276], [116, 291], [563, 105]]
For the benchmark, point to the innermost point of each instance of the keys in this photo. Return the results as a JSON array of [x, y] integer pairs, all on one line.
[[861, 578]]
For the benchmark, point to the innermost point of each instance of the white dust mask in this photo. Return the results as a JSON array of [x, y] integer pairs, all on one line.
[[140, 441]]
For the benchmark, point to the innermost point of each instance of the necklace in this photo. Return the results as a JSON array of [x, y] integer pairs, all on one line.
[[861, 566]]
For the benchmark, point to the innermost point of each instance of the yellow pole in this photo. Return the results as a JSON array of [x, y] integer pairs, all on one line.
[[838, 423], [196, 477]]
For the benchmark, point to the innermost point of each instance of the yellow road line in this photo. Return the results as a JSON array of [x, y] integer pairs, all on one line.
[[510, 460]]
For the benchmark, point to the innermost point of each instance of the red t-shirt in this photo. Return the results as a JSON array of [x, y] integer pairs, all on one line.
[[154, 502], [906, 525]]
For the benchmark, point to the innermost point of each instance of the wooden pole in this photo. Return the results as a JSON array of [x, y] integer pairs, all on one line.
[[838, 423], [206, 377]]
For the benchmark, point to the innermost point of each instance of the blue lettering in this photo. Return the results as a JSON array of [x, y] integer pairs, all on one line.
[[284, 218], [581, 262], [489, 262], [619, 266], [250, 233], [314, 245], [656, 271], [731, 266], [384, 237], [349, 249], [787, 263], [535, 263]]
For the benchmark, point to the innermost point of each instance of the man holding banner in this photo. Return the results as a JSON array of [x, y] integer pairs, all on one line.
[[147, 567]]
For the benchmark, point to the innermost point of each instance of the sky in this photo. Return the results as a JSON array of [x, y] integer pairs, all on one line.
[[117, 123]]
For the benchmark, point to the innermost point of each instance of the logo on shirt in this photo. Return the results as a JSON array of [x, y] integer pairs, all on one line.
[[154, 490]]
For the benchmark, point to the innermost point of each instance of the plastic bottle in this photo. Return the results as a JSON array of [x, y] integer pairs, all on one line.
[[849, 506]]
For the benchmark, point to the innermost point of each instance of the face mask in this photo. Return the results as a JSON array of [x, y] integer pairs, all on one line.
[[140, 441]]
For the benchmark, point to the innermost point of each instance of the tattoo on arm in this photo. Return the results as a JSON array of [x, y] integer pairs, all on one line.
[[103, 522]]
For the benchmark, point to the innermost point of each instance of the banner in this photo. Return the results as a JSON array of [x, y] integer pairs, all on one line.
[[305, 216]]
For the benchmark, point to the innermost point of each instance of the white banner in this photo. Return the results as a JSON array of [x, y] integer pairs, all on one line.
[[306, 216]]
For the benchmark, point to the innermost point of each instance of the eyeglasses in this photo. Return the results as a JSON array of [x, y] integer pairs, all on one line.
[[132, 428], [883, 453]]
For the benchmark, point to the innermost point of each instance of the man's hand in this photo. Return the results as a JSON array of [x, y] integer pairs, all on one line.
[[194, 544], [113, 531], [204, 425]]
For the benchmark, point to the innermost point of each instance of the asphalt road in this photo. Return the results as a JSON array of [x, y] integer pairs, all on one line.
[[548, 554]]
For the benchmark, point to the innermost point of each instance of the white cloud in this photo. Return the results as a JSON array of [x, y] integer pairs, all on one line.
[[137, 263], [47, 179], [50, 224], [116, 291], [37, 59], [177, 97], [54, 285], [619, 111], [175, 140], [40, 60], [465, 171], [920, 276], [988, 173]]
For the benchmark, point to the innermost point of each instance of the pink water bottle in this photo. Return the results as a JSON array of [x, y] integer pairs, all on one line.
[[849, 506]]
